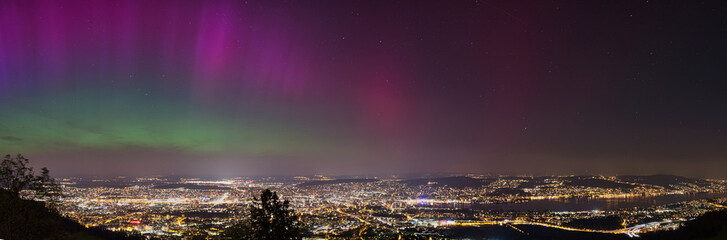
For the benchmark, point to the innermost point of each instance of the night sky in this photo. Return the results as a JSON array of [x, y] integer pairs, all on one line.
[[365, 87]]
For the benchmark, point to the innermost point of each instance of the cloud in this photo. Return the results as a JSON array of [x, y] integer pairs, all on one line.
[[11, 139]]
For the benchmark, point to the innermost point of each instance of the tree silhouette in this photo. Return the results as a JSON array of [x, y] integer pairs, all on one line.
[[17, 175], [269, 219], [46, 188]]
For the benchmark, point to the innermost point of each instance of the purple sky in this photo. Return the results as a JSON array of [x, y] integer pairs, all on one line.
[[364, 87]]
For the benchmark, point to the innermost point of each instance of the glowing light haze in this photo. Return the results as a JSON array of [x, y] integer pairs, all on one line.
[[364, 87]]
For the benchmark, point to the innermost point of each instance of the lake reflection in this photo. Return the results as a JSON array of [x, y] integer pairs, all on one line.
[[583, 204]]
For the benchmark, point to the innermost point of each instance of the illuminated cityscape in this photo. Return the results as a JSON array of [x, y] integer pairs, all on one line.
[[177, 208]]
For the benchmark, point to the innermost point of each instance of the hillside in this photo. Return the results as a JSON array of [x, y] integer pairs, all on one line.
[[711, 225], [666, 181], [336, 181], [453, 182], [26, 219]]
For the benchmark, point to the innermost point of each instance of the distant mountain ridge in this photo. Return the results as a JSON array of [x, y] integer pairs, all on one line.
[[663, 180], [336, 181], [625, 182], [453, 182]]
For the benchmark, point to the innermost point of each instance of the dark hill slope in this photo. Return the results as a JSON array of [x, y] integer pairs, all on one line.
[[26, 219], [711, 225]]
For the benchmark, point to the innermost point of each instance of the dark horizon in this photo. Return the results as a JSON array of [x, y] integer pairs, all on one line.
[[321, 177], [370, 87]]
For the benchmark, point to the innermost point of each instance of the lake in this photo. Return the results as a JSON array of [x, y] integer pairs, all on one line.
[[586, 204]]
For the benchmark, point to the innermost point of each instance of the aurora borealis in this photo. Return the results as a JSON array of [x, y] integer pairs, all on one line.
[[364, 87]]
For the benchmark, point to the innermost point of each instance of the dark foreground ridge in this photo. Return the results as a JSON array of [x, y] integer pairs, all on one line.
[[27, 219], [711, 225]]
